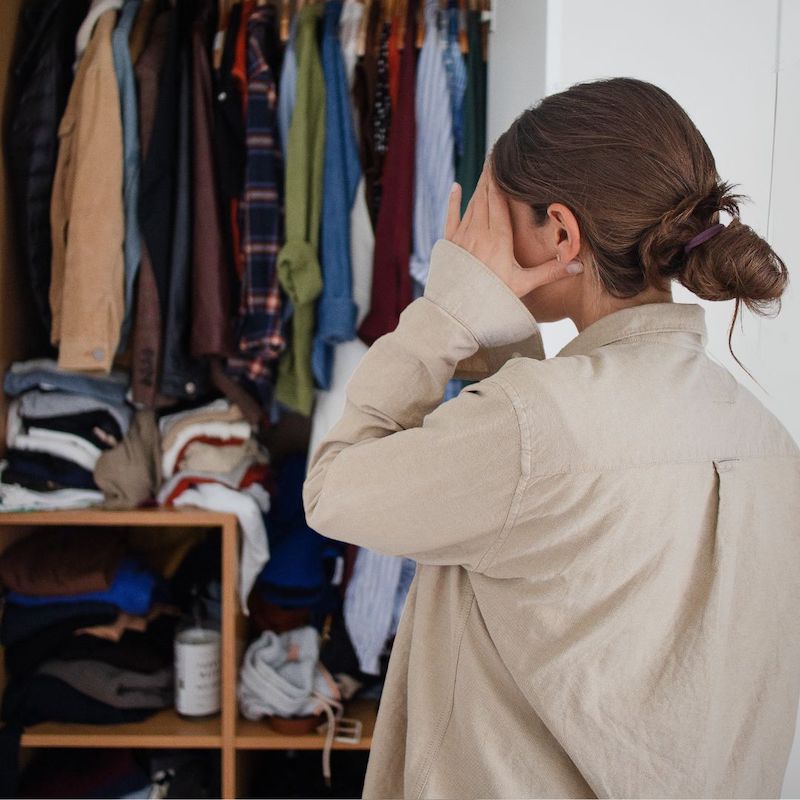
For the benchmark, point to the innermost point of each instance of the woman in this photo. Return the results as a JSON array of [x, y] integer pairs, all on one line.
[[606, 598]]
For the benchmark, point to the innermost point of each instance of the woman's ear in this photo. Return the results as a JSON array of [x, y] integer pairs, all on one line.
[[566, 231]]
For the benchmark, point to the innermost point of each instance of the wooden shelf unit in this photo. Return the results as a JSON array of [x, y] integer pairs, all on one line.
[[258, 735], [160, 731], [228, 733]]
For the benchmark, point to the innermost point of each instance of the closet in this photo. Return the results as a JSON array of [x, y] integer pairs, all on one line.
[[228, 738]]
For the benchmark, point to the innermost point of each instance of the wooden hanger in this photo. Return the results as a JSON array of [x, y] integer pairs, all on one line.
[[401, 18], [463, 39], [361, 40], [421, 31], [284, 20]]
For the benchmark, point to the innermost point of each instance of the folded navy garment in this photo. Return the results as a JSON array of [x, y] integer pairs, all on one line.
[[25, 655], [43, 373], [98, 427], [22, 622], [132, 590], [44, 472], [136, 651]]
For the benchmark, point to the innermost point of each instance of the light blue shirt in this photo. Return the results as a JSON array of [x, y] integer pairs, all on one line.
[[435, 167], [123, 66], [336, 309], [373, 602], [287, 87]]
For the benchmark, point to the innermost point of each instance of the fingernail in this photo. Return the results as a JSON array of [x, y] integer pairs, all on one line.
[[453, 188], [574, 267]]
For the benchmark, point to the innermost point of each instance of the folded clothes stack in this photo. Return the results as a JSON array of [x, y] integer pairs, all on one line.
[[210, 459], [88, 626], [87, 635], [58, 426]]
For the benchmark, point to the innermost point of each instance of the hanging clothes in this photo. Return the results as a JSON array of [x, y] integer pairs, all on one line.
[[210, 277], [382, 115], [456, 73], [335, 310], [86, 213], [287, 88], [470, 164], [298, 265], [42, 77], [379, 585], [350, 22], [365, 87], [182, 375], [126, 84], [260, 339], [147, 329], [142, 28], [435, 170], [391, 281], [229, 149]]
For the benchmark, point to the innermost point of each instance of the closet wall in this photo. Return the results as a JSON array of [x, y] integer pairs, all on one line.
[[734, 65]]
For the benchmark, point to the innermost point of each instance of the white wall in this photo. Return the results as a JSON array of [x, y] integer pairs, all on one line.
[[734, 65]]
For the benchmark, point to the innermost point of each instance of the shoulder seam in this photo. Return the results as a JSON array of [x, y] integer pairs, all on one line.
[[525, 473]]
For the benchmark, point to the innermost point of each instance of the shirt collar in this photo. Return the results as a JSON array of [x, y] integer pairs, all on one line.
[[648, 318]]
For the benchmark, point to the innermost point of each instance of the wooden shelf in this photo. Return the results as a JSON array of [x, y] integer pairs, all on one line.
[[145, 517], [165, 730], [260, 736]]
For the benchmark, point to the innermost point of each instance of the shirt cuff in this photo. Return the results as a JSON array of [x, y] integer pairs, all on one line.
[[466, 288]]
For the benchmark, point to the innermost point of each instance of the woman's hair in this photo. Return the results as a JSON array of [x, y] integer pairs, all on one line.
[[626, 159]]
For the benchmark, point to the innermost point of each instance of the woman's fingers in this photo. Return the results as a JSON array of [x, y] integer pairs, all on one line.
[[526, 279], [499, 212], [453, 212], [480, 200]]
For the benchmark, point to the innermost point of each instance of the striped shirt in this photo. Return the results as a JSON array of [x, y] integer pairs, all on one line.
[[435, 169]]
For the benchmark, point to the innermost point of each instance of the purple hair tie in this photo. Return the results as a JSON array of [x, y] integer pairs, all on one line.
[[703, 236]]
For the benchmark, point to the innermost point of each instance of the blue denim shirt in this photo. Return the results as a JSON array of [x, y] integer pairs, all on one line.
[[123, 66], [336, 309]]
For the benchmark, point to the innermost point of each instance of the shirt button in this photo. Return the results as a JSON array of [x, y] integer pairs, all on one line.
[[98, 353], [222, 96], [190, 387]]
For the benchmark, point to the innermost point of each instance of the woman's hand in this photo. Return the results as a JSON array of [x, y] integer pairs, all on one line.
[[485, 231]]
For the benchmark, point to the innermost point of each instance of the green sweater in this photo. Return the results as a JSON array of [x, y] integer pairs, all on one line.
[[299, 270]]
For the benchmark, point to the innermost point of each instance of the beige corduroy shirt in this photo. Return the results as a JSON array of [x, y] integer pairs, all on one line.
[[608, 543], [87, 215]]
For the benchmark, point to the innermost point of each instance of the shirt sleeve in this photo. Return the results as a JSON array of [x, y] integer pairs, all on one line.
[[401, 472]]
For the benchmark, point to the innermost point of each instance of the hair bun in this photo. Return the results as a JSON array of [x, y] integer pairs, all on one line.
[[736, 264]]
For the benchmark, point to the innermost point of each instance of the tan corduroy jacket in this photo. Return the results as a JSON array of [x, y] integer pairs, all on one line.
[[87, 215], [607, 600]]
